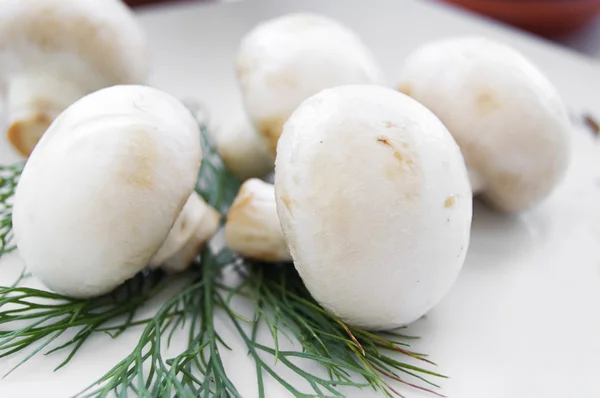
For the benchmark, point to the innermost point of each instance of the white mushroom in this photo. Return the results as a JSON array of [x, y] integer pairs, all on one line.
[[252, 227], [102, 194], [53, 52], [375, 205], [243, 152], [285, 60], [508, 120]]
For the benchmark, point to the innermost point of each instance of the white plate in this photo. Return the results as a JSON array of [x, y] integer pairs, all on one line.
[[523, 320]]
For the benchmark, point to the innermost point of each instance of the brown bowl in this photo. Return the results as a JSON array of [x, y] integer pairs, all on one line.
[[545, 17], [135, 3]]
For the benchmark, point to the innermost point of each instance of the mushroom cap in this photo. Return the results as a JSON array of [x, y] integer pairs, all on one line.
[[97, 42], [243, 151], [103, 188], [374, 202], [507, 118], [285, 60]]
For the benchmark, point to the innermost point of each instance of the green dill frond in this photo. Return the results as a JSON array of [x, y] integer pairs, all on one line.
[[9, 177], [45, 316]]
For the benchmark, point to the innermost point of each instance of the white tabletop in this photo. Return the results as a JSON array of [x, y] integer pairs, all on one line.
[[523, 320]]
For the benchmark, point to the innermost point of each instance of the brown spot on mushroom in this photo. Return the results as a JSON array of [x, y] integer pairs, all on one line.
[[486, 102], [405, 88], [138, 162], [390, 125], [386, 141], [403, 166], [24, 134], [271, 129], [450, 201]]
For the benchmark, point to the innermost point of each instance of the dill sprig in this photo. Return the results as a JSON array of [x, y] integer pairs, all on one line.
[[46, 316], [284, 306], [196, 371], [9, 177], [349, 357]]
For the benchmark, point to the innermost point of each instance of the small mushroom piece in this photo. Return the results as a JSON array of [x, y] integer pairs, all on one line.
[[252, 228], [375, 205], [108, 190], [507, 118], [53, 52], [285, 60], [196, 224], [243, 151]]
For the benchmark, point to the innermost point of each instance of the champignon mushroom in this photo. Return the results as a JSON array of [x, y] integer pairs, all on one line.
[[53, 52], [243, 152], [252, 228], [374, 201], [507, 118], [375, 205], [285, 60], [106, 192]]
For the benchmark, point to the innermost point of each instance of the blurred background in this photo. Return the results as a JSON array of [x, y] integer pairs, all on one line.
[[572, 23]]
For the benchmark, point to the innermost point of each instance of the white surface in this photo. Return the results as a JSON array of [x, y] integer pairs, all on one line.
[[523, 320]]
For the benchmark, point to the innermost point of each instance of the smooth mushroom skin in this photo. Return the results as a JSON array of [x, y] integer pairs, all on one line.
[[243, 151], [53, 52], [375, 205], [252, 228], [507, 118], [104, 187], [285, 60]]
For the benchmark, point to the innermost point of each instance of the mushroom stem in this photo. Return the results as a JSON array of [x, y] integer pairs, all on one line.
[[477, 182], [194, 226], [252, 228], [33, 100]]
